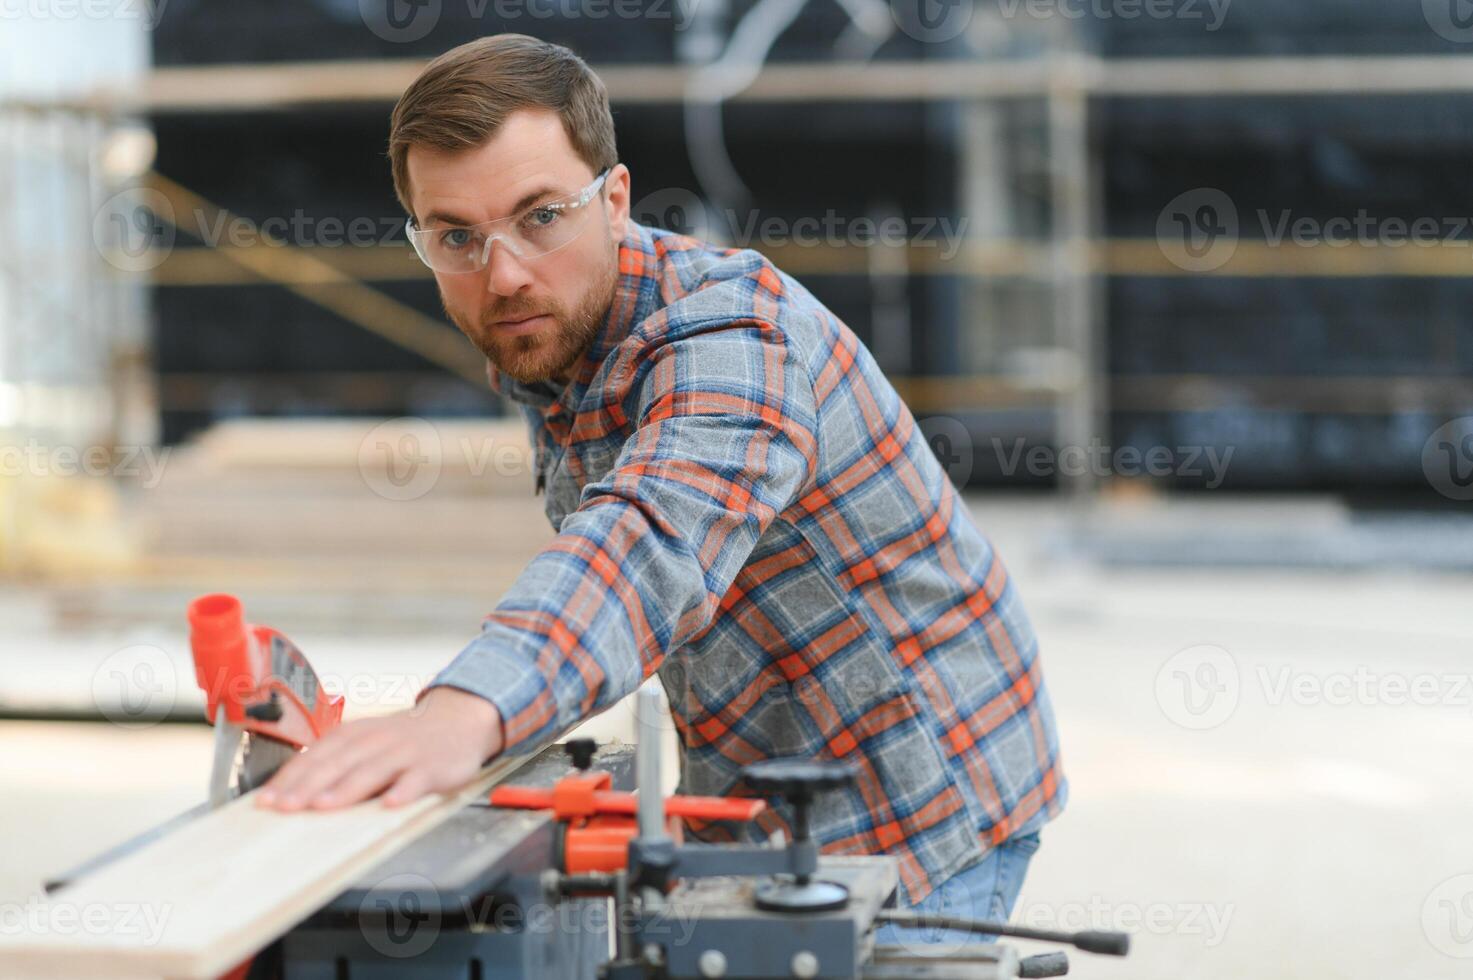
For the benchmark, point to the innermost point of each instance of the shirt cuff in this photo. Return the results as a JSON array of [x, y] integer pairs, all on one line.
[[492, 667]]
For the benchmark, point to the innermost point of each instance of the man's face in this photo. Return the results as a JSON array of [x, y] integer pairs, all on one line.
[[533, 317]]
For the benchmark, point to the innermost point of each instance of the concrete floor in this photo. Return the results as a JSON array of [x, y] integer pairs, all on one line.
[[1270, 771]]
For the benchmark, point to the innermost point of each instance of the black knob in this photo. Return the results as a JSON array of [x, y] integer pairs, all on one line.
[[797, 780], [581, 751]]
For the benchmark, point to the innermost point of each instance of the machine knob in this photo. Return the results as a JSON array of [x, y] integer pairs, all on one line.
[[797, 780], [581, 751]]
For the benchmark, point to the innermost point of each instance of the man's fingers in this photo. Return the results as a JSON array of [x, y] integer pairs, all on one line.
[[410, 786], [286, 779], [360, 782], [314, 770], [408, 755]]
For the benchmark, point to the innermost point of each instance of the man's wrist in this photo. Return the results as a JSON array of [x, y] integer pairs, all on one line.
[[483, 717]]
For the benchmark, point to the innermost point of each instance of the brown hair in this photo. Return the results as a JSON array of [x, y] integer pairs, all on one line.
[[462, 97]]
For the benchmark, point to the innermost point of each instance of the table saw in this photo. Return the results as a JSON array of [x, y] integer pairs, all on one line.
[[576, 866]]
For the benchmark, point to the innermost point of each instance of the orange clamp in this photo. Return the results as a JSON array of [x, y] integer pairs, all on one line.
[[600, 822]]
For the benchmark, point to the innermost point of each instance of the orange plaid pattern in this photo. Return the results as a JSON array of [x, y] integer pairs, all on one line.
[[746, 507]]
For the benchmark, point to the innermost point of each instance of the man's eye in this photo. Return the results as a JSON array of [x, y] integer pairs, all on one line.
[[541, 217], [455, 238]]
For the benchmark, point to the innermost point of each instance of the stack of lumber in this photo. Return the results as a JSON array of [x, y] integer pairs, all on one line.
[[393, 518]]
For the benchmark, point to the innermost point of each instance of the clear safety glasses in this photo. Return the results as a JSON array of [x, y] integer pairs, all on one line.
[[540, 229]]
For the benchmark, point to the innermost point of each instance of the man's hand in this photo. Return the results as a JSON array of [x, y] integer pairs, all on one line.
[[436, 746]]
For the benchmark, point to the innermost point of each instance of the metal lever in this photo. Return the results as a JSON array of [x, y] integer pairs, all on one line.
[[652, 851], [647, 764], [1090, 940]]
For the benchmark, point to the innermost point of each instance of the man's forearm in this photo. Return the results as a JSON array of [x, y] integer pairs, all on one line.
[[723, 443]]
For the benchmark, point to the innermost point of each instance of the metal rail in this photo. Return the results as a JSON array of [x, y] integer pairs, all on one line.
[[252, 88]]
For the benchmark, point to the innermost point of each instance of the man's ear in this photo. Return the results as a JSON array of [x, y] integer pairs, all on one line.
[[616, 184]]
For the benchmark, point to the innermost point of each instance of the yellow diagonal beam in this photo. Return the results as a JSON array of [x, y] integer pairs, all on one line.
[[303, 274]]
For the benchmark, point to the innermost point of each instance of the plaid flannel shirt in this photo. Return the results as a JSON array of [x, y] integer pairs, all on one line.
[[745, 505]]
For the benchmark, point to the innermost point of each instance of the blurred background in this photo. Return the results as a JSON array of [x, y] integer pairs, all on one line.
[[1179, 289]]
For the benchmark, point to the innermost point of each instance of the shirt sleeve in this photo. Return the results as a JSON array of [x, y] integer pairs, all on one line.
[[724, 442]]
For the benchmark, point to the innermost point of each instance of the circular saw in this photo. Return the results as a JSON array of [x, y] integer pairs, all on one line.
[[264, 698]]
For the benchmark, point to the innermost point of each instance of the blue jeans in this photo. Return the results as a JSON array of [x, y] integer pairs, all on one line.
[[985, 890]]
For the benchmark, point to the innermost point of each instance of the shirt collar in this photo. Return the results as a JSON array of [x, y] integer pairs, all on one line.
[[636, 296]]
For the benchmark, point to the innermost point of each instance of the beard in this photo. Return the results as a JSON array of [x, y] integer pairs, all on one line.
[[551, 352]]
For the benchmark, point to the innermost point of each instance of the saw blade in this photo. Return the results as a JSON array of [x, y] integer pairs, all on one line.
[[262, 757], [227, 744]]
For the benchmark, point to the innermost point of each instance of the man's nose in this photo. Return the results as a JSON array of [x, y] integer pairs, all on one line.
[[505, 273]]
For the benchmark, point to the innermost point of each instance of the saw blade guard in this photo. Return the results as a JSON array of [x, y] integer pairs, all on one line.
[[256, 675]]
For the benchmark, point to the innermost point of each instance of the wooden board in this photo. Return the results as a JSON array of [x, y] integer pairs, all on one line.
[[200, 900]]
